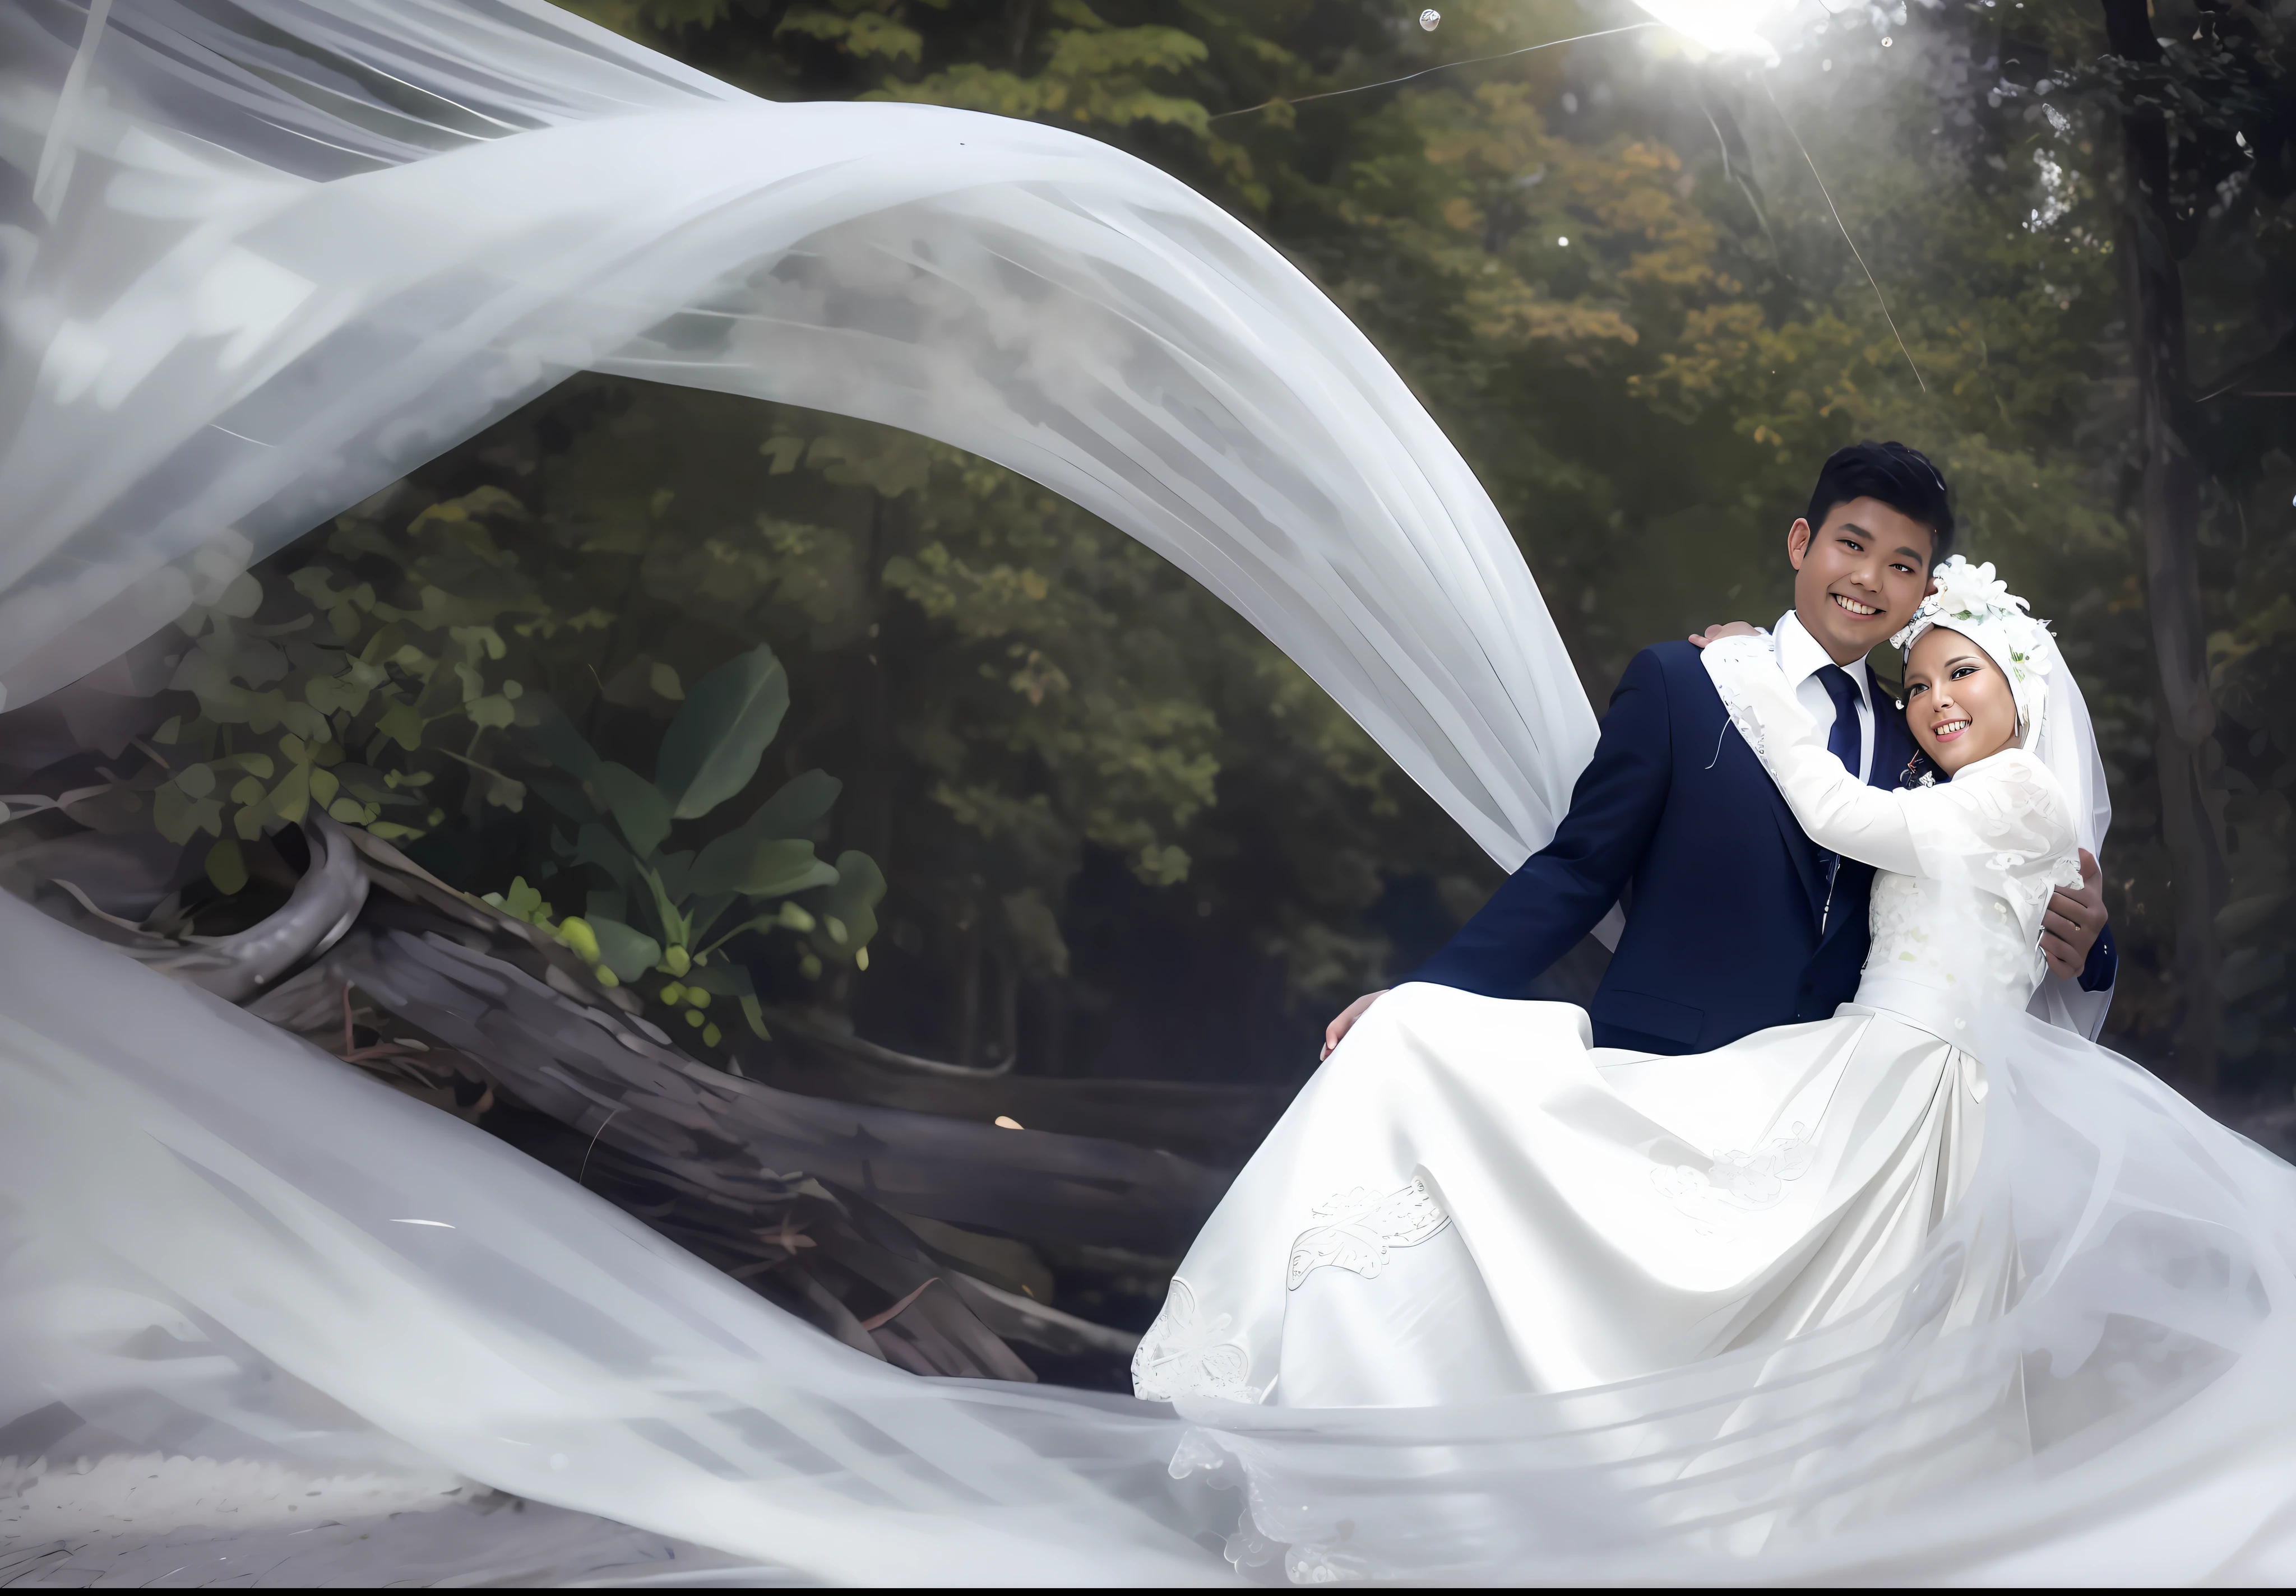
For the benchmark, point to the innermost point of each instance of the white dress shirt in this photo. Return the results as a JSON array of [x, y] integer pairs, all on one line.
[[1801, 656]]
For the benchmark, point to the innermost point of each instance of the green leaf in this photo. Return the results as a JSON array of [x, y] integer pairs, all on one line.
[[524, 901], [673, 871], [712, 749], [721, 978], [625, 951], [292, 796], [755, 1017], [301, 719], [757, 866], [595, 845], [554, 736], [402, 725], [853, 901], [638, 806], [797, 807], [493, 711], [226, 868], [702, 917], [569, 800]]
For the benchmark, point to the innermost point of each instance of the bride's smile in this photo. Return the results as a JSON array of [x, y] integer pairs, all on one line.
[[1957, 702]]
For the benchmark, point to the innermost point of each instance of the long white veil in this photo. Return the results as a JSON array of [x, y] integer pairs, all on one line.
[[277, 253], [258, 257]]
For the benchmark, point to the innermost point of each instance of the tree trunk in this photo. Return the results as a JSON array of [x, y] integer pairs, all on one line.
[[1008, 1008], [1017, 16], [966, 1037], [869, 815], [2186, 755]]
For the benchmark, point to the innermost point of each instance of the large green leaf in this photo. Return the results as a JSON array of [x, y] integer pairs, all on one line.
[[567, 798], [638, 806], [712, 749], [795, 809], [740, 857], [554, 737], [757, 866], [628, 952], [672, 869]]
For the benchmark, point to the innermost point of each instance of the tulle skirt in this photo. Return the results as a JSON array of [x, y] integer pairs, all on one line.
[[2076, 1364], [1841, 1300]]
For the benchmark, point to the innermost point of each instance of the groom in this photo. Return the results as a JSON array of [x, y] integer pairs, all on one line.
[[1737, 921]]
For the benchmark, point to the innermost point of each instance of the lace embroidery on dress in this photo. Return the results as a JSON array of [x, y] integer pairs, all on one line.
[[1360, 1225], [1186, 1354], [1737, 1182], [1753, 652]]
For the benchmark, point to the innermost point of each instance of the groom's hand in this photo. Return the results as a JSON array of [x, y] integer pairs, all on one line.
[[2074, 921], [1727, 629], [1346, 1022]]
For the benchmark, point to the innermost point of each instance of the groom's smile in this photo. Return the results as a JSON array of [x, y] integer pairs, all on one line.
[[1859, 576]]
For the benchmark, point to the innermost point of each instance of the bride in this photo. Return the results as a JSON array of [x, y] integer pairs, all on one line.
[[1472, 1200]]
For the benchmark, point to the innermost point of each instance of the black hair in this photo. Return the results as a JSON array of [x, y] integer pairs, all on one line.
[[1901, 478]]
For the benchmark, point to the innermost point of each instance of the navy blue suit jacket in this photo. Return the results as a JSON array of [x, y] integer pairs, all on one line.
[[1733, 924]]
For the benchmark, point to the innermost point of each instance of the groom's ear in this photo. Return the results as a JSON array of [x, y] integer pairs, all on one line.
[[1797, 536]]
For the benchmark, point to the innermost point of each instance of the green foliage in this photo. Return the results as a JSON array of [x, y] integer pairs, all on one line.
[[352, 676], [855, 30], [1094, 74], [671, 911], [714, 745]]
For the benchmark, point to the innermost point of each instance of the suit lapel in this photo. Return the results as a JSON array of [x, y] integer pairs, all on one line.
[[1800, 849], [1746, 768]]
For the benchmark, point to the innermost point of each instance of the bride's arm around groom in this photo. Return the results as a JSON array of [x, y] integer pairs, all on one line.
[[1684, 815]]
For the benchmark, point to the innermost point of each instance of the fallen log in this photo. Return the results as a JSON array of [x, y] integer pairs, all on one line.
[[907, 1234]]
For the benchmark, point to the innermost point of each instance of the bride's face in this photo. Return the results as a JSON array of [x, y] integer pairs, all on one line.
[[1958, 704]]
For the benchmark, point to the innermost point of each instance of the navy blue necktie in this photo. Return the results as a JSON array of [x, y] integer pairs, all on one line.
[[1847, 741]]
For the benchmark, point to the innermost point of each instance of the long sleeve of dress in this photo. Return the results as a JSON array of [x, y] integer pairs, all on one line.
[[2004, 824]]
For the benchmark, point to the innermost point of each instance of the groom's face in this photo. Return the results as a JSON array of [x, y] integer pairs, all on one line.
[[1858, 578]]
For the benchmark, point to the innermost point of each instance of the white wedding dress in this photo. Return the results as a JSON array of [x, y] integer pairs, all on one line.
[[1930, 1238]]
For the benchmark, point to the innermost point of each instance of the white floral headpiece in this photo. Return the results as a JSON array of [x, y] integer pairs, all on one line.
[[1971, 601]]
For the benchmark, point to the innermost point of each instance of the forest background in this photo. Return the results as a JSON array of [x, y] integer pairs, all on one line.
[[1123, 836]]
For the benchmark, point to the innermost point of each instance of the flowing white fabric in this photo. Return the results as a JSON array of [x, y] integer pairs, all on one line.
[[284, 251], [2067, 748], [234, 1247]]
